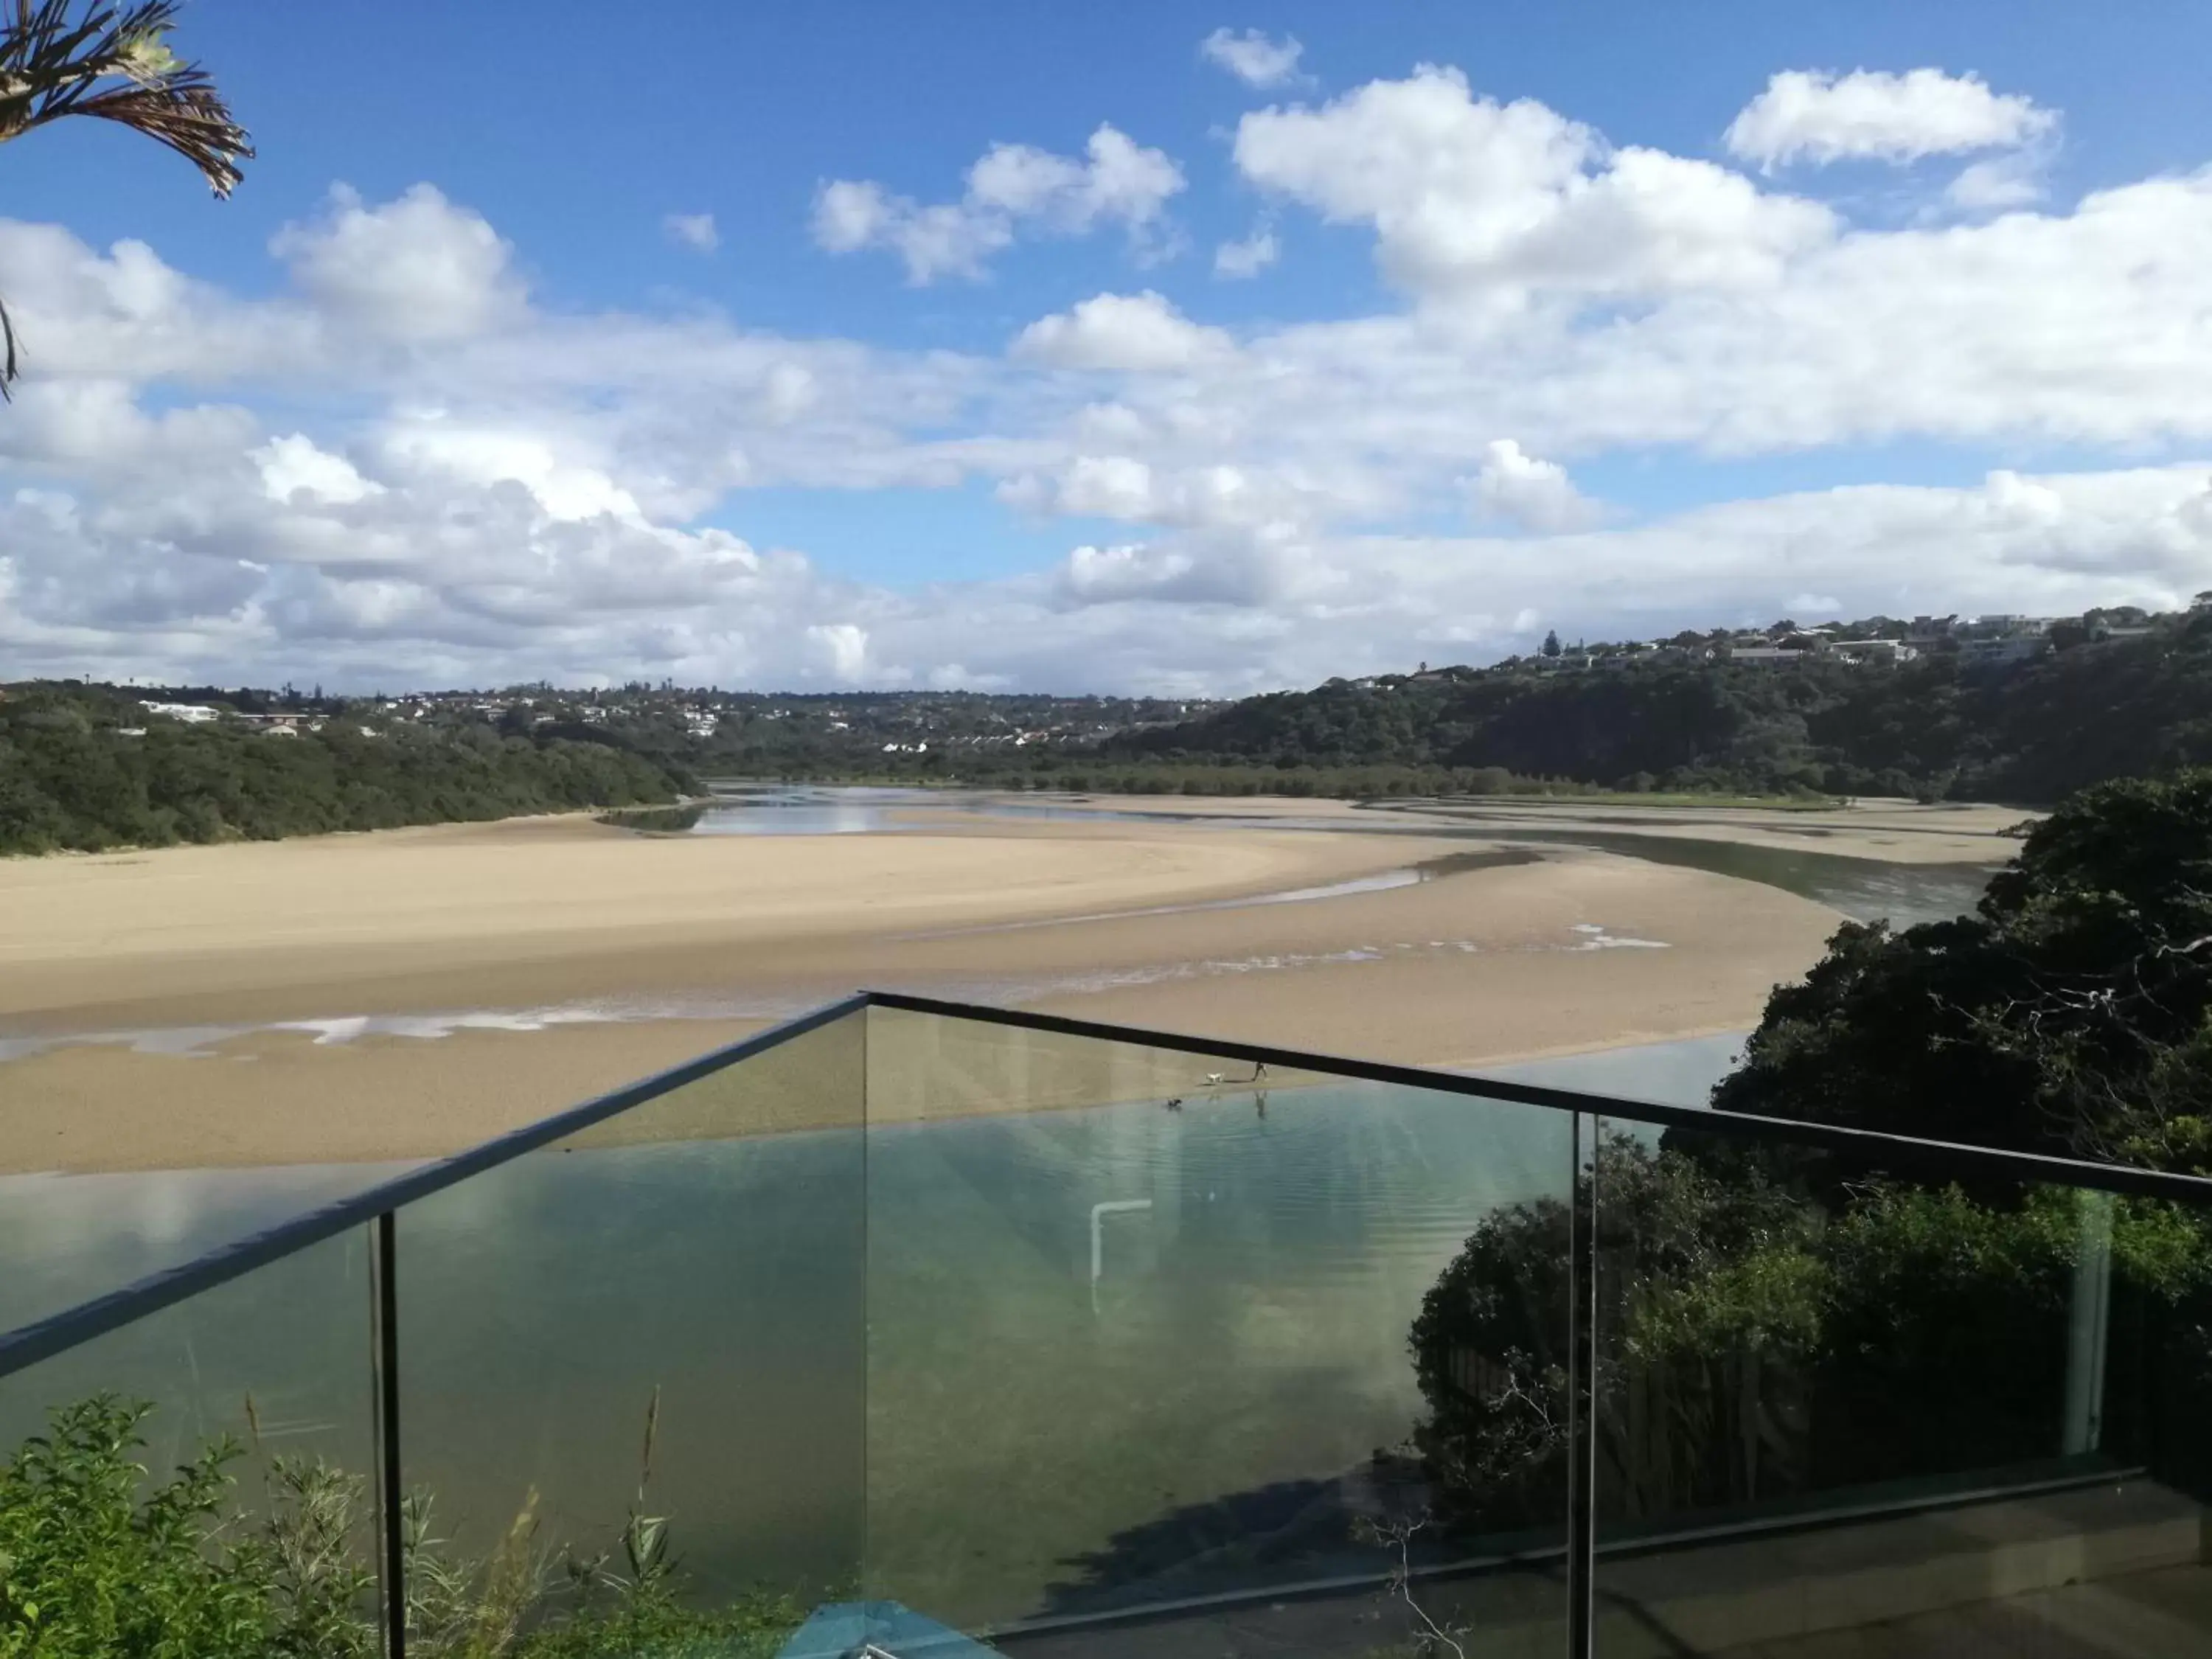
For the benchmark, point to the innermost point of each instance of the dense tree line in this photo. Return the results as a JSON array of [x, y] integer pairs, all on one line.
[[83, 770], [1089, 773], [1776, 1321], [2073, 1014], [1947, 725], [1943, 726]]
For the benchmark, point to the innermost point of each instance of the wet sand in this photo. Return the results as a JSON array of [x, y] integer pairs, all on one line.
[[1894, 831], [660, 948]]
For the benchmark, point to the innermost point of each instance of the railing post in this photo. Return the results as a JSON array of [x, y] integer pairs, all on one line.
[[390, 1554], [2088, 1325], [1581, 1391]]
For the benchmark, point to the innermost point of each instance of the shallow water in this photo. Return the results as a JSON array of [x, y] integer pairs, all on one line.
[[1865, 889], [801, 809]]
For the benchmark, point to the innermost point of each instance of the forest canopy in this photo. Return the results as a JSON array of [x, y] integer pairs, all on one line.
[[82, 770], [1942, 726]]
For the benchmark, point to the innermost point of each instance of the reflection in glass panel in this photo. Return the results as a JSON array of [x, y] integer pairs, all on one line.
[[640, 1348], [1842, 1402], [1143, 1330], [247, 1411], [67, 1238]]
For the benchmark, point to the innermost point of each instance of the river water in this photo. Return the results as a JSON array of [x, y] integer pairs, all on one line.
[[1865, 889]]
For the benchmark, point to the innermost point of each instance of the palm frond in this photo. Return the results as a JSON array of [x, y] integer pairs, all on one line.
[[113, 63], [53, 65]]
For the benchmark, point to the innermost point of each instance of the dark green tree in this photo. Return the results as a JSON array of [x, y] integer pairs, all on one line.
[[2073, 1014]]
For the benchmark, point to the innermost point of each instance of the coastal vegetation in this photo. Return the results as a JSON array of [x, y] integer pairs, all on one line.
[[100, 1559], [89, 766], [2072, 1014], [84, 770], [1774, 1320], [1948, 723], [1771, 1325], [1943, 726]]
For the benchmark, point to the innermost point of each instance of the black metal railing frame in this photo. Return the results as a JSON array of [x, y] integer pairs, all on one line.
[[377, 1209]]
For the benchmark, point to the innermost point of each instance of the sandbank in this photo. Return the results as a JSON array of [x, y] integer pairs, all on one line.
[[1892, 831], [635, 952]]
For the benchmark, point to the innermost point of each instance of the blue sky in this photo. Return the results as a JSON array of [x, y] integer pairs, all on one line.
[[490, 415]]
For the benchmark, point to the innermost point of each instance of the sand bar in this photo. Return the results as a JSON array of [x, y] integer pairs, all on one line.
[[659, 948], [1894, 831]]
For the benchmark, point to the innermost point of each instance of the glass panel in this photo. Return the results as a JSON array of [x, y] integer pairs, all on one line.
[[1843, 1404], [1147, 1329], [269, 1375], [656, 1321], [67, 1238]]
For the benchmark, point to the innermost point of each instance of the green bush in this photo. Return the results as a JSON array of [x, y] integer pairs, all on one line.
[[100, 1560], [1769, 1326]]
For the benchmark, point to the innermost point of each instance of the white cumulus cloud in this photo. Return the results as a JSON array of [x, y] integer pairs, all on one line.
[[1537, 494], [841, 648], [1998, 182], [1130, 332], [277, 480], [1813, 116], [293, 465], [1115, 181], [1248, 257], [1474, 197], [1252, 57], [693, 230], [417, 269]]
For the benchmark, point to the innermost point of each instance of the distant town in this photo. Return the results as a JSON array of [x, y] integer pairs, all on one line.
[[917, 723], [902, 722], [1887, 641]]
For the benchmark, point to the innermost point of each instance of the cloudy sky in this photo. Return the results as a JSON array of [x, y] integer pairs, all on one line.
[[1058, 348]]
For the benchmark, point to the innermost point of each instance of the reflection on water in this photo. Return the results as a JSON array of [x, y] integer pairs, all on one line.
[[799, 810], [808, 809], [655, 820], [336, 1030], [549, 1304]]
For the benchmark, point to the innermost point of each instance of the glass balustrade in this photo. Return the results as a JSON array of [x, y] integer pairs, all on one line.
[[200, 1478], [635, 1354], [956, 1332], [1859, 1391], [1139, 1327]]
